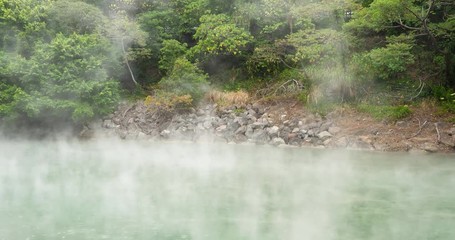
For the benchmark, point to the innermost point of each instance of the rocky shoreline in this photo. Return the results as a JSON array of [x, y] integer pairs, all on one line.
[[261, 124]]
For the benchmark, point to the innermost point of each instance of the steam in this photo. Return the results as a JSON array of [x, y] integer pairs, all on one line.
[[142, 190]]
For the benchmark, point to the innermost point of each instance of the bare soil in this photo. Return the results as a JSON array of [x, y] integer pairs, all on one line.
[[426, 129]]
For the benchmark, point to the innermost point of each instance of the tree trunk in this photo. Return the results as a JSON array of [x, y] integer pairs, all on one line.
[[450, 69]]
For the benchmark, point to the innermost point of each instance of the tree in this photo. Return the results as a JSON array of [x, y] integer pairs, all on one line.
[[430, 23], [217, 34], [171, 51], [75, 17], [64, 80], [185, 79]]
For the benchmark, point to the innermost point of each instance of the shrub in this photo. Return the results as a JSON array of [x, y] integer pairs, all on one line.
[[184, 79], [445, 96], [171, 51], [169, 102], [237, 98], [391, 60]]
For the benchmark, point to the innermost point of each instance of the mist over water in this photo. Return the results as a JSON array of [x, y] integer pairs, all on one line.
[[140, 190]]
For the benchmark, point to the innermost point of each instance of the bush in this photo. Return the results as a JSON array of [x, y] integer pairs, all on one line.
[[63, 81], [184, 79], [445, 96], [169, 102], [171, 51], [237, 98], [389, 61]]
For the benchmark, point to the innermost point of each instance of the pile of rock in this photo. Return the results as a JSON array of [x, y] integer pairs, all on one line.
[[233, 125]]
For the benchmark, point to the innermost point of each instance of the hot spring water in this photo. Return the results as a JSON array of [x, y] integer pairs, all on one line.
[[136, 190]]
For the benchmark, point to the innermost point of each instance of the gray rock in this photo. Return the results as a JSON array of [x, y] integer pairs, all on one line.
[[334, 130], [221, 128], [241, 120], [324, 135], [327, 142], [165, 133], [241, 130], [430, 147], [311, 133], [295, 130], [207, 124], [251, 112], [325, 126], [233, 126], [277, 141], [260, 136], [200, 112], [313, 125], [259, 125], [341, 142], [361, 144], [109, 124], [142, 136], [249, 131], [273, 130]]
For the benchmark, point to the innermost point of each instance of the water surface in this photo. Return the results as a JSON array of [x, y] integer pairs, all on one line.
[[141, 190]]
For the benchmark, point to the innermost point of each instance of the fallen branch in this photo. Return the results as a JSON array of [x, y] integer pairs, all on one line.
[[420, 129], [437, 131], [127, 110]]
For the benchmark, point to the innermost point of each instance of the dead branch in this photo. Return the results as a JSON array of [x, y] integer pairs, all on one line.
[[420, 129], [421, 86], [288, 87], [437, 131], [127, 110]]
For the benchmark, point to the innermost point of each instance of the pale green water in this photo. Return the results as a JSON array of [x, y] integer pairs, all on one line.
[[126, 190]]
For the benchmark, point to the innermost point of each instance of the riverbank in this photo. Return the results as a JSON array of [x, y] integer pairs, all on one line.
[[287, 123]]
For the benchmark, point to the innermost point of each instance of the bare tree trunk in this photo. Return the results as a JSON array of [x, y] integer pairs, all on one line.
[[127, 63]]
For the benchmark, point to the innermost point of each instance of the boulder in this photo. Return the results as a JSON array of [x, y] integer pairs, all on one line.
[[165, 133], [221, 128], [277, 141], [260, 136], [430, 147], [324, 135], [273, 130], [334, 130], [295, 130], [341, 142], [241, 130]]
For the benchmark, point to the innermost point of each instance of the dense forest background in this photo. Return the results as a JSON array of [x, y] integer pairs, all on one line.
[[72, 61]]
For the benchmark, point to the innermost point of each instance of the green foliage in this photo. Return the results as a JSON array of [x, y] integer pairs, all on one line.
[[445, 96], [391, 60], [10, 97], [160, 25], [217, 34], [315, 46], [171, 51], [244, 84], [384, 112], [75, 17], [65, 80], [184, 79], [266, 60]]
